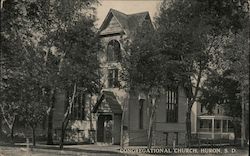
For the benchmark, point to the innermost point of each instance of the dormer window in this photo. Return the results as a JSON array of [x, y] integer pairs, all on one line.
[[113, 51]]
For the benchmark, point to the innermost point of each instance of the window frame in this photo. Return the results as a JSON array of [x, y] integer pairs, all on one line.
[[113, 82], [171, 95], [78, 110], [114, 54]]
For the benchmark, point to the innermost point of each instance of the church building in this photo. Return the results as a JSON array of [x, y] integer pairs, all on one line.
[[116, 111]]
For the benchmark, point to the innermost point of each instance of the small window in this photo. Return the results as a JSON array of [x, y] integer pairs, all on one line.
[[113, 51], [201, 124], [218, 124], [210, 124], [113, 78]]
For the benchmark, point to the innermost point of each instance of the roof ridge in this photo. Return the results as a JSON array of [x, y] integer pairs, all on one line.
[[111, 9], [139, 13]]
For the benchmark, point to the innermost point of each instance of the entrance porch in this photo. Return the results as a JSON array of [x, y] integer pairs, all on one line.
[[108, 124], [215, 127]]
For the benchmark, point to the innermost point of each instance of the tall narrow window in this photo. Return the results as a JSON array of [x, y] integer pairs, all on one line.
[[141, 104], [113, 78], [78, 112], [201, 124], [202, 108], [172, 105], [83, 105], [113, 51]]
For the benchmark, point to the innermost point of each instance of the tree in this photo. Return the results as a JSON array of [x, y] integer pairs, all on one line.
[[8, 109], [220, 89], [32, 100], [66, 15], [79, 67], [39, 20], [183, 48], [236, 57], [145, 71], [24, 99], [40, 55], [8, 113], [17, 59], [194, 32]]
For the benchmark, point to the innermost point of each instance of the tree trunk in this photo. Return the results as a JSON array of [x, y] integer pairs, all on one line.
[[243, 130], [62, 134], [151, 122], [92, 136], [12, 134], [12, 130], [122, 130], [34, 136], [188, 124], [50, 119], [191, 99], [66, 117], [150, 135], [150, 131], [90, 114], [63, 129], [62, 140], [1, 118], [50, 128]]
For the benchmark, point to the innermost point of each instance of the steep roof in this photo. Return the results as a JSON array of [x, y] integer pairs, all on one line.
[[129, 23], [137, 19], [111, 100]]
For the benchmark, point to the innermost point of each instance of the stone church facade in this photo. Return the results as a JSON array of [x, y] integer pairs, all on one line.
[[116, 111]]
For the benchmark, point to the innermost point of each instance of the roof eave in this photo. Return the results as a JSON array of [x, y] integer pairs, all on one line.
[[106, 21]]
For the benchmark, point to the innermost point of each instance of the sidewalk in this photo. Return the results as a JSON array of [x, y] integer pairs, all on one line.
[[88, 150]]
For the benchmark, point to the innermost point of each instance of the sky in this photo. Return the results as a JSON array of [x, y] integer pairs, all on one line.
[[127, 7]]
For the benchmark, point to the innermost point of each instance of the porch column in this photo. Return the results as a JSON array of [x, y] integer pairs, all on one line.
[[221, 128], [212, 128], [227, 126], [113, 129]]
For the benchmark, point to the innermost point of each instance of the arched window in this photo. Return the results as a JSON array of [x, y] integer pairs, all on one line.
[[113, 51]]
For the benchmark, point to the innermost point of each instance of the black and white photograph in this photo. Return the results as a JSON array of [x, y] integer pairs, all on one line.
[[124, 77]]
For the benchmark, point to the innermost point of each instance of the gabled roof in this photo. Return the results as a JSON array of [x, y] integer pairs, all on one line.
[[136, 20], [111, 100], [129, 23]]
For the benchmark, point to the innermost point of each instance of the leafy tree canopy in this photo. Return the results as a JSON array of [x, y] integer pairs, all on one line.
[[221, 90]]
